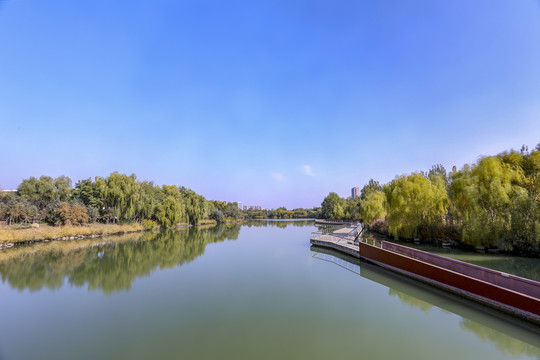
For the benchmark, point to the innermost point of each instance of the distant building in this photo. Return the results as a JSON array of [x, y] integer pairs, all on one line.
[[355, 192], [252, 207], [239, 204]]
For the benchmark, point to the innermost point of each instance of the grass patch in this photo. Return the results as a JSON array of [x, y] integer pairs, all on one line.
[[12, 235], [207, 222]]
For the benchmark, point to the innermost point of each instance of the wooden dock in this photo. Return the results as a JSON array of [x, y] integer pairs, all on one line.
[[341, 238]]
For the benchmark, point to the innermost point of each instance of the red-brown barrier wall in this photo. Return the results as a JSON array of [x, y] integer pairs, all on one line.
[[512, 282], [452, 278]]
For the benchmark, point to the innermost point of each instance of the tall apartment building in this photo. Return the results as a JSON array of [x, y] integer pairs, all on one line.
[[355, 192]]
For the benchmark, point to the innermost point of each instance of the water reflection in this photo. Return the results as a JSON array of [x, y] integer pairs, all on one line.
[[487, 324], [410, 300], [110, 264], [503, 342]]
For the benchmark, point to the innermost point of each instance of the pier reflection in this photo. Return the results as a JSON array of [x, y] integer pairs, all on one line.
[[510, 335]]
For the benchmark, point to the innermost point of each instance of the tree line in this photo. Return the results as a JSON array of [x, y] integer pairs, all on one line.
[[120, 198], [493, 203], [112, 199], [282, 213]]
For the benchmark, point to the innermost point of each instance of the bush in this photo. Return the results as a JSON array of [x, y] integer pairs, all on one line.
[[63, 214], [79, 215], [149, 224], [68, 215], [217, 215], [93, 214], [379, 226]]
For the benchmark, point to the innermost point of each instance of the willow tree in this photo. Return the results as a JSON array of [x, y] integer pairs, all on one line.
[[170, 211], [415, 202], [372, 207], [170, 208], [481, 198], [122, 193], [524, 209], [147, 200], [196, 205]]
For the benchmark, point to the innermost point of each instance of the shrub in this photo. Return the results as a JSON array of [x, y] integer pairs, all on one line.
[[149, 224], [63, 214], [217, 215], [68, 215], [79, 215], [93, 214]]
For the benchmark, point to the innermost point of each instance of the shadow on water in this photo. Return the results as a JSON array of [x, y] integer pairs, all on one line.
[[108, 264], [487, 324]]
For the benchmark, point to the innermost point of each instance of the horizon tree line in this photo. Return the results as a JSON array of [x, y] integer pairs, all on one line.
[[119, 198], [494, 202]]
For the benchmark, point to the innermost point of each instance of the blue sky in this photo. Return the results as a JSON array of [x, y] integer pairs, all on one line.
[[266, 102]]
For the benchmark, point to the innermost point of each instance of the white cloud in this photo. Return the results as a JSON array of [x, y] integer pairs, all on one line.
[[307, 170], [278, 177]]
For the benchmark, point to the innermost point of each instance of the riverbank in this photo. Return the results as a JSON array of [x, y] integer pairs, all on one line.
[[12, 236]]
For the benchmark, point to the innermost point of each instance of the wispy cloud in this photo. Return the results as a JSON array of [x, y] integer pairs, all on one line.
[[278, 177], [308, 170]]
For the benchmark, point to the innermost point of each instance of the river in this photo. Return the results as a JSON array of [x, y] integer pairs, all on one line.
[[256, 291]]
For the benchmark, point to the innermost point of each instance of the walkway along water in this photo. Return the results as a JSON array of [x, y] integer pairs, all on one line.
[[509, 293]]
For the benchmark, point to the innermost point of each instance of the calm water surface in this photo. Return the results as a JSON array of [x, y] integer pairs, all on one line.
[[252, 292]]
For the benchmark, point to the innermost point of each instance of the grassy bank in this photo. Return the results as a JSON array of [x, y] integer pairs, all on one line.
[[67, 247], [13, 235]]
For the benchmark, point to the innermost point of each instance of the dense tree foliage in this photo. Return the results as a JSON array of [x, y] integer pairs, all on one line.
[[335, 207], [122, 198], [196, 205], [282, 213], [16, 209], [373, 206], [171, 209], [494, 203], [116, 198], [370, 187], [332, 207], [414, 202]]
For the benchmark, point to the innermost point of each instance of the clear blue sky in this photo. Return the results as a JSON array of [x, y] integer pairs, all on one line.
[[266, 102]]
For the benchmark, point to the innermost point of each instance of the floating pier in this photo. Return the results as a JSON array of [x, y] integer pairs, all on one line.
[[506, 292]]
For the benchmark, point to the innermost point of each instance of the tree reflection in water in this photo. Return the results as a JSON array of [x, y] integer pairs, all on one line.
[[514, 340], [506, 344], [108, 264]]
